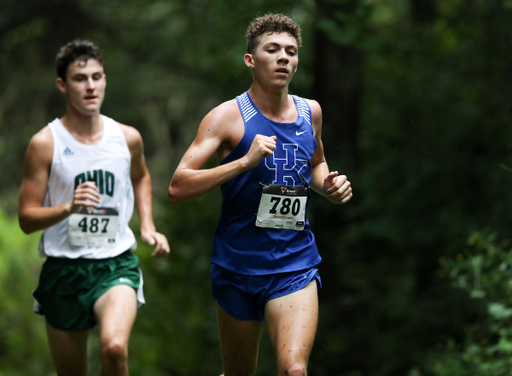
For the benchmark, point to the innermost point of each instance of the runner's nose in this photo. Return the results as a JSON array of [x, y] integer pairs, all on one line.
[[90, 84], [283, 57]]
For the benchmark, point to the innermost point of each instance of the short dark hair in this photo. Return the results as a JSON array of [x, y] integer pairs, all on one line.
[[271, 23], [82, 50]]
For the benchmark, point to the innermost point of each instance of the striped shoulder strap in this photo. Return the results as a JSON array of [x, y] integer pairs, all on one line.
[[246, 107], [303, 108]]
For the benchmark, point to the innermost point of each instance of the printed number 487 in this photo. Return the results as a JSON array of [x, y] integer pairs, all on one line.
[[93, 225]]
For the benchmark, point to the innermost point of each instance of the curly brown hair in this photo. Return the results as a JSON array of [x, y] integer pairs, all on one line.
[[271, 23], [82, 50]]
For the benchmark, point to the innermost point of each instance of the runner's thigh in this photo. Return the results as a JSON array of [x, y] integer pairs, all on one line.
[[239, 342], [291, 322], [69, 351], [115, 311]]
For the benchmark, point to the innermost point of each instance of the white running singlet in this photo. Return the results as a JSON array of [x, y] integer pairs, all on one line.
[[92, 234]]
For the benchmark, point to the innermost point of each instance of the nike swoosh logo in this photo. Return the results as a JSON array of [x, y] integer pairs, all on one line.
[[299, 133], [126, 280]]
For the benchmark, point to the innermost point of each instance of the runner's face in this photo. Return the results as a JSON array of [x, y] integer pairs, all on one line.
[[275, 59], [85, 86]]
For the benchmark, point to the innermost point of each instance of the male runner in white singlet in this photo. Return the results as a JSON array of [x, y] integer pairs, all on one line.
[[83, 173], [271, 155]]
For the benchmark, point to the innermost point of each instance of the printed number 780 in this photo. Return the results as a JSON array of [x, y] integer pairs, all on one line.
[[93, 225], [285, 207]]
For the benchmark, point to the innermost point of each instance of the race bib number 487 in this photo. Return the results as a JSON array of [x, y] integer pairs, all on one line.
[[93, 227], [282, 207]]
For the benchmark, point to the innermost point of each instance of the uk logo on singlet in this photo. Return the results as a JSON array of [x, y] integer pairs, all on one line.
[[105, 180], [287, 168]]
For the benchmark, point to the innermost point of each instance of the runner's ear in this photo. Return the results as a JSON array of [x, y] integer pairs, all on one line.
[[249, 61]]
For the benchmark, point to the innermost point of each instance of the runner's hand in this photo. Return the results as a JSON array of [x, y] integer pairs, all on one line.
[[261, 147], [337, 188], [86, 194], [155, 238]]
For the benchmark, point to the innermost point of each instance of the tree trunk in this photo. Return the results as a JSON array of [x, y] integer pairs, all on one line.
[[423, 11], [338, 88]]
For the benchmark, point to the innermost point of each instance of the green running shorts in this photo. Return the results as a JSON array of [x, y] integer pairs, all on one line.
[[68, 288]]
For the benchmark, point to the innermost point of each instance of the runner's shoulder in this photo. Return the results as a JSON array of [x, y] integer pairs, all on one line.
[[41, 144], [316, 112], [132, 135], [222, 117], [225, 112], [314, 105]]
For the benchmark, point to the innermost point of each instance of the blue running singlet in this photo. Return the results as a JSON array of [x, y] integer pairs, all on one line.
[[241, 246]]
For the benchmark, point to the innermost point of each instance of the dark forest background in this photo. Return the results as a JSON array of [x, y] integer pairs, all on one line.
[[416, 94]]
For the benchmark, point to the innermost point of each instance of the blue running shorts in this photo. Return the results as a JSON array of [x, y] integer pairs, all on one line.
[[244, 296]]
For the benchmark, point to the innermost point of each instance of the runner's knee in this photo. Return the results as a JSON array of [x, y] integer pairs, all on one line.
[[296, 369], [114, 351]]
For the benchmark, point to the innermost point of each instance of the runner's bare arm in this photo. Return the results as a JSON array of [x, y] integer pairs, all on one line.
[[32, 216], [219, 132], [336, 188], [141, 181]]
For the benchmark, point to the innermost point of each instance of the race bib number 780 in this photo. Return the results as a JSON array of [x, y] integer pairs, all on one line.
[[93, 227], [282, 207]]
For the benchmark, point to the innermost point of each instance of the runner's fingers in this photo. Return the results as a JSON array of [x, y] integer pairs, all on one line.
[[163, 241], [93, 191], [88, 184], [267, 153], [328, 183], [265, 142], [162, 246], [87, 191], [346, 193], [272, 142], [345, 190], [87, 195], [346, 187], [148, 238], [346, 199], [330, 178], [266, 150], [339, 183], [341, 179], [159, 253], [341, 193]]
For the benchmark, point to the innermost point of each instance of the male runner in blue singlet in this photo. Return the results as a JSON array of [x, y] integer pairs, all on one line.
[[271, 154]]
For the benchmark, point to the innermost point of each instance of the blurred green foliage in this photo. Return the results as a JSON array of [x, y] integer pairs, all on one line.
[[415, 100], [484, 271], [23, 347]]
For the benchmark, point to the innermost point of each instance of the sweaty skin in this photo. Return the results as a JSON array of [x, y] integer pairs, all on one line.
[[291, 320], [116, 309]]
